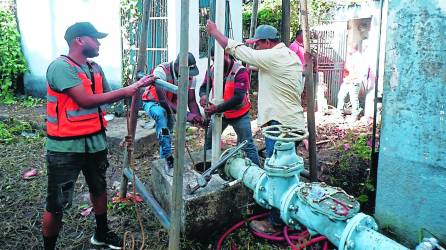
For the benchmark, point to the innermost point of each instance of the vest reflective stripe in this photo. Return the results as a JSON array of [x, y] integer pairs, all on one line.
[[229, 90], [51, 119], [52, 99], [65, 119], [81, 112]]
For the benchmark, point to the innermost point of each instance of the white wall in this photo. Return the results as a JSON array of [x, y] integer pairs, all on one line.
[[43, 24], [236, 8]]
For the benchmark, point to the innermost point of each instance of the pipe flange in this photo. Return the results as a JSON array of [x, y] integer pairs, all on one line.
[[290, 207], [355, 224], [260, 192]]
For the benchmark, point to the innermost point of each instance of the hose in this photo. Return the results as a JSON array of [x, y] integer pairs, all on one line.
[[302, 236]]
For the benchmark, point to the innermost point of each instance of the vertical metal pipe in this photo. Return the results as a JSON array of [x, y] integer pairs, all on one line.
[[252, 27], [208, 79], [135, 101], [285, 25], [218, 81], [177, 185], [374, 156], [309, 85]]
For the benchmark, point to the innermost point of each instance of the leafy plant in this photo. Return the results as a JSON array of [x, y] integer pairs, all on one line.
[[10, 129], [320, 11], [361, 149], [130, 18], [270, 12], [30, 102], [11, 57]]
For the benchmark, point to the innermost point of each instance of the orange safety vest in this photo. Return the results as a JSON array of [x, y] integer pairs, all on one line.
[[65, 119], [150, 92], [229, 92]]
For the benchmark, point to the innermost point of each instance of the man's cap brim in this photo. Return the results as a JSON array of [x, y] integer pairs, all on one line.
[[99, 35]]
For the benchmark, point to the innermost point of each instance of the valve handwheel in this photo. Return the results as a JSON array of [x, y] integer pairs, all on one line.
[[284, 133]]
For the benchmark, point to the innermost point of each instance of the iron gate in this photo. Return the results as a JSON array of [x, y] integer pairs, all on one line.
[[330, 43]]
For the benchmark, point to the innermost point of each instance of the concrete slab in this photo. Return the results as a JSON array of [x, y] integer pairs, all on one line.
[[218, 205], [144, 137]]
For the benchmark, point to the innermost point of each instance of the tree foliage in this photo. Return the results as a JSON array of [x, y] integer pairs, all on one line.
[[130, 18], [12, 61], [270, 12]]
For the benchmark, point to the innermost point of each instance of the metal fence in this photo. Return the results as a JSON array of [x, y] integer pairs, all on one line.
[[330, 46], [157, 35]]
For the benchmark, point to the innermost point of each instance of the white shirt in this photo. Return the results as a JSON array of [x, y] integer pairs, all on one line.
[[280, 82]]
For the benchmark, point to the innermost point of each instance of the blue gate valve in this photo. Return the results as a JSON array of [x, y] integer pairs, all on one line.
[[322, 209]]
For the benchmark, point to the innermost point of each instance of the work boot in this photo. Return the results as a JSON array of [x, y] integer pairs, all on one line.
[[109, 239], [168, 167]]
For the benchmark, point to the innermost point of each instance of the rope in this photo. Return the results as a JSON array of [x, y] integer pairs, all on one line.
[[127, 234]]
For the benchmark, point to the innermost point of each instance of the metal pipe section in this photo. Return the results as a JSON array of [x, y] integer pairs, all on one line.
[[180, 143], [166, 86], [149, 199], [218, 80], [322, 209], [136, 99], [309, 86]]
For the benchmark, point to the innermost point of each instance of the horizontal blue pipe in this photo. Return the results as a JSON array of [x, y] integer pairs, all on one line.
[[149, 199], [166, 86], [269, 192]]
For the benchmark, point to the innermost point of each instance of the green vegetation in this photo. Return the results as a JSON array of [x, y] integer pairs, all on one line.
[[270, 12], [12, 60], [30, 101], [130, 17], [11, 129]]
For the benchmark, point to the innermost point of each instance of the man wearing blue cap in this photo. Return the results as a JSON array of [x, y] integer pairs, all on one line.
[[76, 92], [280, 84]]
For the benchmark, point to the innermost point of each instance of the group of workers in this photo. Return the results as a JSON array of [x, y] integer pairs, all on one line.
[[77, 91]]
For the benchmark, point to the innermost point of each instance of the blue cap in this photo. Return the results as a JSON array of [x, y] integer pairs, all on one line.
[[264, 32]]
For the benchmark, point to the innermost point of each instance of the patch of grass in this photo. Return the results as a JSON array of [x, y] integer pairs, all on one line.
[[11, 130], [361, 149], [30, 101]]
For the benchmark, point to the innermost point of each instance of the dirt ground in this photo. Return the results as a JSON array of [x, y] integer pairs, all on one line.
[[341, 149]]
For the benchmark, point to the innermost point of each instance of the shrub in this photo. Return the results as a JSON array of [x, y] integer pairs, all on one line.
[[12, 61]]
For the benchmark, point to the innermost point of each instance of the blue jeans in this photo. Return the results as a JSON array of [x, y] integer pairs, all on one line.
[[163, 126], [242, 127], [269, 143]]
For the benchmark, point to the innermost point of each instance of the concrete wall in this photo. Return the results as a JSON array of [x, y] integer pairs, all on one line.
[[43, 24], [411, 190]]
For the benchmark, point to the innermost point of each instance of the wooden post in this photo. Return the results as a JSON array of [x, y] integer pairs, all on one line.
[[309, 85], [180, 142], [252, 28], [285, 25]]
